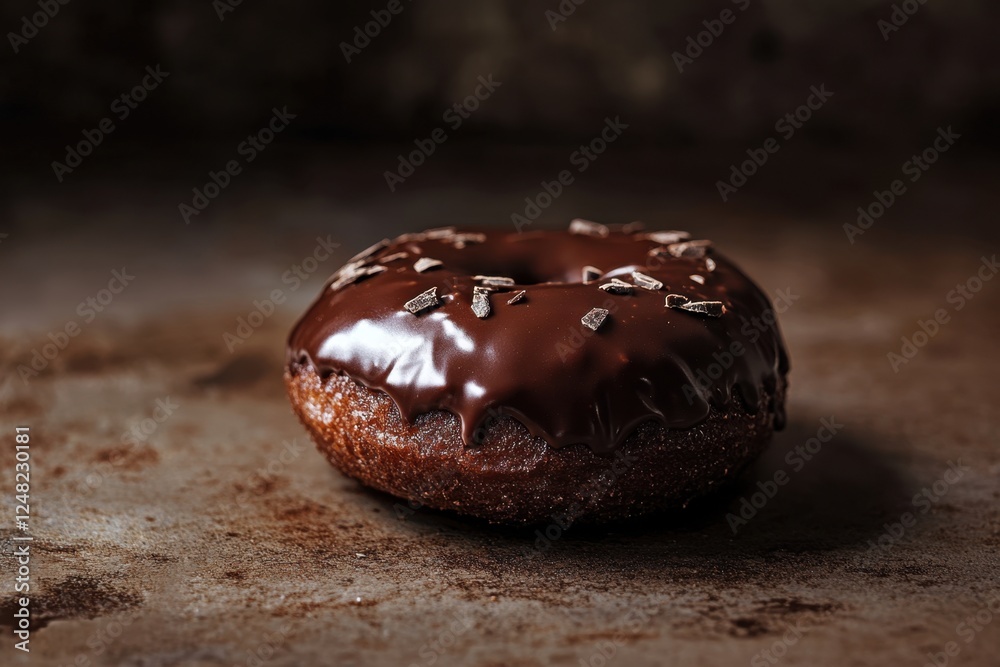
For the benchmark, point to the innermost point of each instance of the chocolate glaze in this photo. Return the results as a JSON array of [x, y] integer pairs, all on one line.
[[534, 360]]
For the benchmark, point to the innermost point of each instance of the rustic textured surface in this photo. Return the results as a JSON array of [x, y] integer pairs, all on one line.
[[211, 540]]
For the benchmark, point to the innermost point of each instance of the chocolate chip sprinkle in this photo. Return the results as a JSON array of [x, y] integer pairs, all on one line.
[[517, 298], [461, 240], [595, 318], [617, 287], [425, 264], [710, 264], [646, 282], [697, 248], [481, 302], [588, 228], [591, 273], [393, 257], [423, 301], [439, 233], [698, 279], [676, 300], [495, 281], [658, 251], [349, 268], [353, 272], [667, 237], [708, 308]]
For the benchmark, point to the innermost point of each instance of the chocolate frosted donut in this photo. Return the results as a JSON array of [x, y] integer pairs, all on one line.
[[523, 377]]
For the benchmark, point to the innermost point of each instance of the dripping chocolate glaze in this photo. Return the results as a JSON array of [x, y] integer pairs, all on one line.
[[533, 359]]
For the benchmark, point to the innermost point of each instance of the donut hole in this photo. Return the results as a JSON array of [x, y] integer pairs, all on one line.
[[524, 274], [534, 259], [527, 274]]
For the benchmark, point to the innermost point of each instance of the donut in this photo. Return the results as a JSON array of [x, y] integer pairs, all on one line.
[[589, 374]]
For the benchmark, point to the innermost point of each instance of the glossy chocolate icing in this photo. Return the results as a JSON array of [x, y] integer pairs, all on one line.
[[534, 359]]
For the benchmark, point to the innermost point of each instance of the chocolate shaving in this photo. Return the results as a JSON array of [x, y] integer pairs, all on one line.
[[344, 279], [690, 248], [369, 251], [423, 301], [588, 228], [676, 300], [517, 298], [698, 279], [495, 281], [393, 257], [710, 264], [353, 272], [425, 264], [350, 267], [481, 302], [439, 233], [658, 251], [666, 238], [591, 273], [646, 282], [594, 318], [708, 308], [617, 287], [461, 240]]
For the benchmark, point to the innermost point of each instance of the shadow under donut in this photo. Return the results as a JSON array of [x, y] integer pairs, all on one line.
[[818, 487]]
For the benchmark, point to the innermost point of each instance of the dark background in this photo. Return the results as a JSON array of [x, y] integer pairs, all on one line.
[[607, 59]]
